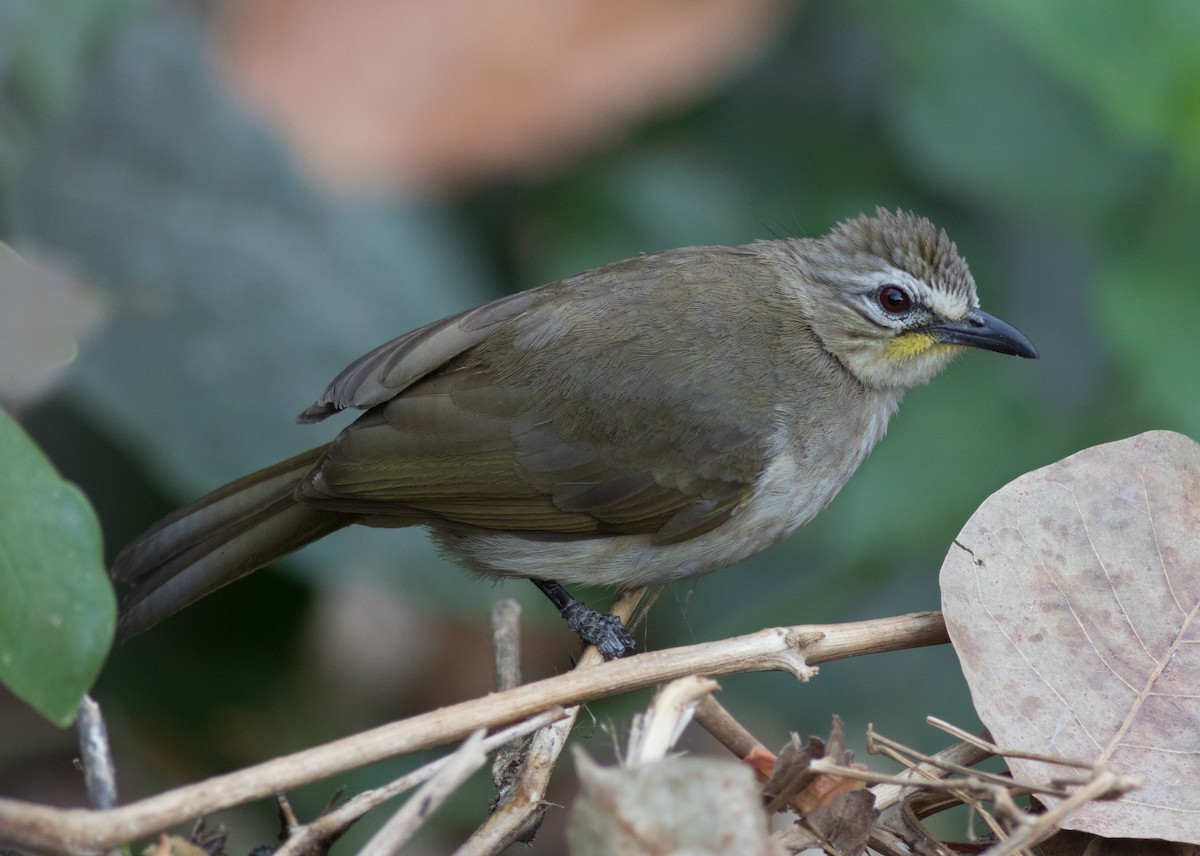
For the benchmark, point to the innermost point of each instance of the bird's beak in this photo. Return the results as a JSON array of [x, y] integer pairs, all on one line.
[[981, 330]]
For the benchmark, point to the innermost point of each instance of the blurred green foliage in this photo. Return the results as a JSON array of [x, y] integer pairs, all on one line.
[[1057, 143], [58, 612]]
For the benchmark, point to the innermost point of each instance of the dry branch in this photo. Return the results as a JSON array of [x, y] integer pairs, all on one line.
[[795, 650], [400, 827], [308, 838]]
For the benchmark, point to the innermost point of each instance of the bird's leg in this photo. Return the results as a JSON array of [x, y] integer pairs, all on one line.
[[606, 632]]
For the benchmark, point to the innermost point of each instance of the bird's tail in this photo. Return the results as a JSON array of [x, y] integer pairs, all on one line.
[[217, 539]]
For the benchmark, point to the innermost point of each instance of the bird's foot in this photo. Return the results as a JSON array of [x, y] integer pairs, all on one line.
[[606, 632]]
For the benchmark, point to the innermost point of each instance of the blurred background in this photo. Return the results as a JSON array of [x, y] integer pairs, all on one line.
[[228, 201]]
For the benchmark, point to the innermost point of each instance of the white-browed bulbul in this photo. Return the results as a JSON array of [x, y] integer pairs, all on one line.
[[653, 419]]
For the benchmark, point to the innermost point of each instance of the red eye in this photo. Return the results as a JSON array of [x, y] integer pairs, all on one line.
[[894, 299]]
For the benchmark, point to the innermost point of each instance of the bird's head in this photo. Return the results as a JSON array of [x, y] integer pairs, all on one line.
[[893, 300]]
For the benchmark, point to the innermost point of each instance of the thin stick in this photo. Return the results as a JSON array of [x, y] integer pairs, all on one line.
[[1105, 785], [99, 774], [937, 766], [669, 712], [428, 799], [993, 749], [506, 649], [506, 643], [712, 716], [329, 826]]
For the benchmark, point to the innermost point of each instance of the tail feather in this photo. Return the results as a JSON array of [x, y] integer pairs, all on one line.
[[217, 539]]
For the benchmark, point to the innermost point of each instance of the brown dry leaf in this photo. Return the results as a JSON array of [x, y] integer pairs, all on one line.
[[837, 813], [792, 782], [428, 94], [824, 790], [843, 826], [1071, 598]]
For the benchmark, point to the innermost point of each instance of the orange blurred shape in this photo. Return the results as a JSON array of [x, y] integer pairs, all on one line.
[[437, 95]]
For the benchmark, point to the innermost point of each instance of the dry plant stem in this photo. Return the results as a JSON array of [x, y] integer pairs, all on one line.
[[330, 825], [669, 713], [1042, 826], [99, 775], [938, 766], [905, 755], [974, 788], [288, 819], [993, 749], [429, 798], [506, 649], [95, 757], [970, 781], [790, 649], [523, 806], [917, 779], [506, 643], [712, 716], [919, 776]]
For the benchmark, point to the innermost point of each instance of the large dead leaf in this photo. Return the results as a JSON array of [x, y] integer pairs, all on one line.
[[1071, 597]]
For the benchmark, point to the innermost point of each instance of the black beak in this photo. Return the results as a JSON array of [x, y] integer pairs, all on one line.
[[980, 330]]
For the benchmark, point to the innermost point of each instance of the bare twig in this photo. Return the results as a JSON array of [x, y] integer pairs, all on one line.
[[655, 731], [95, 757], [330, 825], [506, 643], [712, 716], [938, 766], [460, 766], [1104, 785], [927, 776], [99, 775], [791, 649], [506, 649], [916, 760], [993, 749]]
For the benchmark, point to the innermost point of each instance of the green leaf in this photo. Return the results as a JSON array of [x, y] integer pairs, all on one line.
[[57, 612]]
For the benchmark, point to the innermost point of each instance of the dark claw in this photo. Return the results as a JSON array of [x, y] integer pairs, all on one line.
[[606, 632]]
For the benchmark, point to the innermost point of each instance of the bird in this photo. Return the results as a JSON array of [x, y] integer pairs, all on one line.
[[650, 420]]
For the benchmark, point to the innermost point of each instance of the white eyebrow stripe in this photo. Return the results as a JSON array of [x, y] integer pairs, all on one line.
[[945, 304]]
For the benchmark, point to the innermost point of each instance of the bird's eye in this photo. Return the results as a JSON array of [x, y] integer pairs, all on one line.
[[894, 299]]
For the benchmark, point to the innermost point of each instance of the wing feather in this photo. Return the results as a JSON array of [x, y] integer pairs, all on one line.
[[504, 418]]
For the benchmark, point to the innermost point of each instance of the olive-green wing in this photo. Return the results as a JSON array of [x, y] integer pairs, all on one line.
[[389, 369], [455, 449], [574, 417]]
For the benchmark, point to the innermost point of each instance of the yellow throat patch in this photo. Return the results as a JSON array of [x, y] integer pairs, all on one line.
[[911, 346]]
